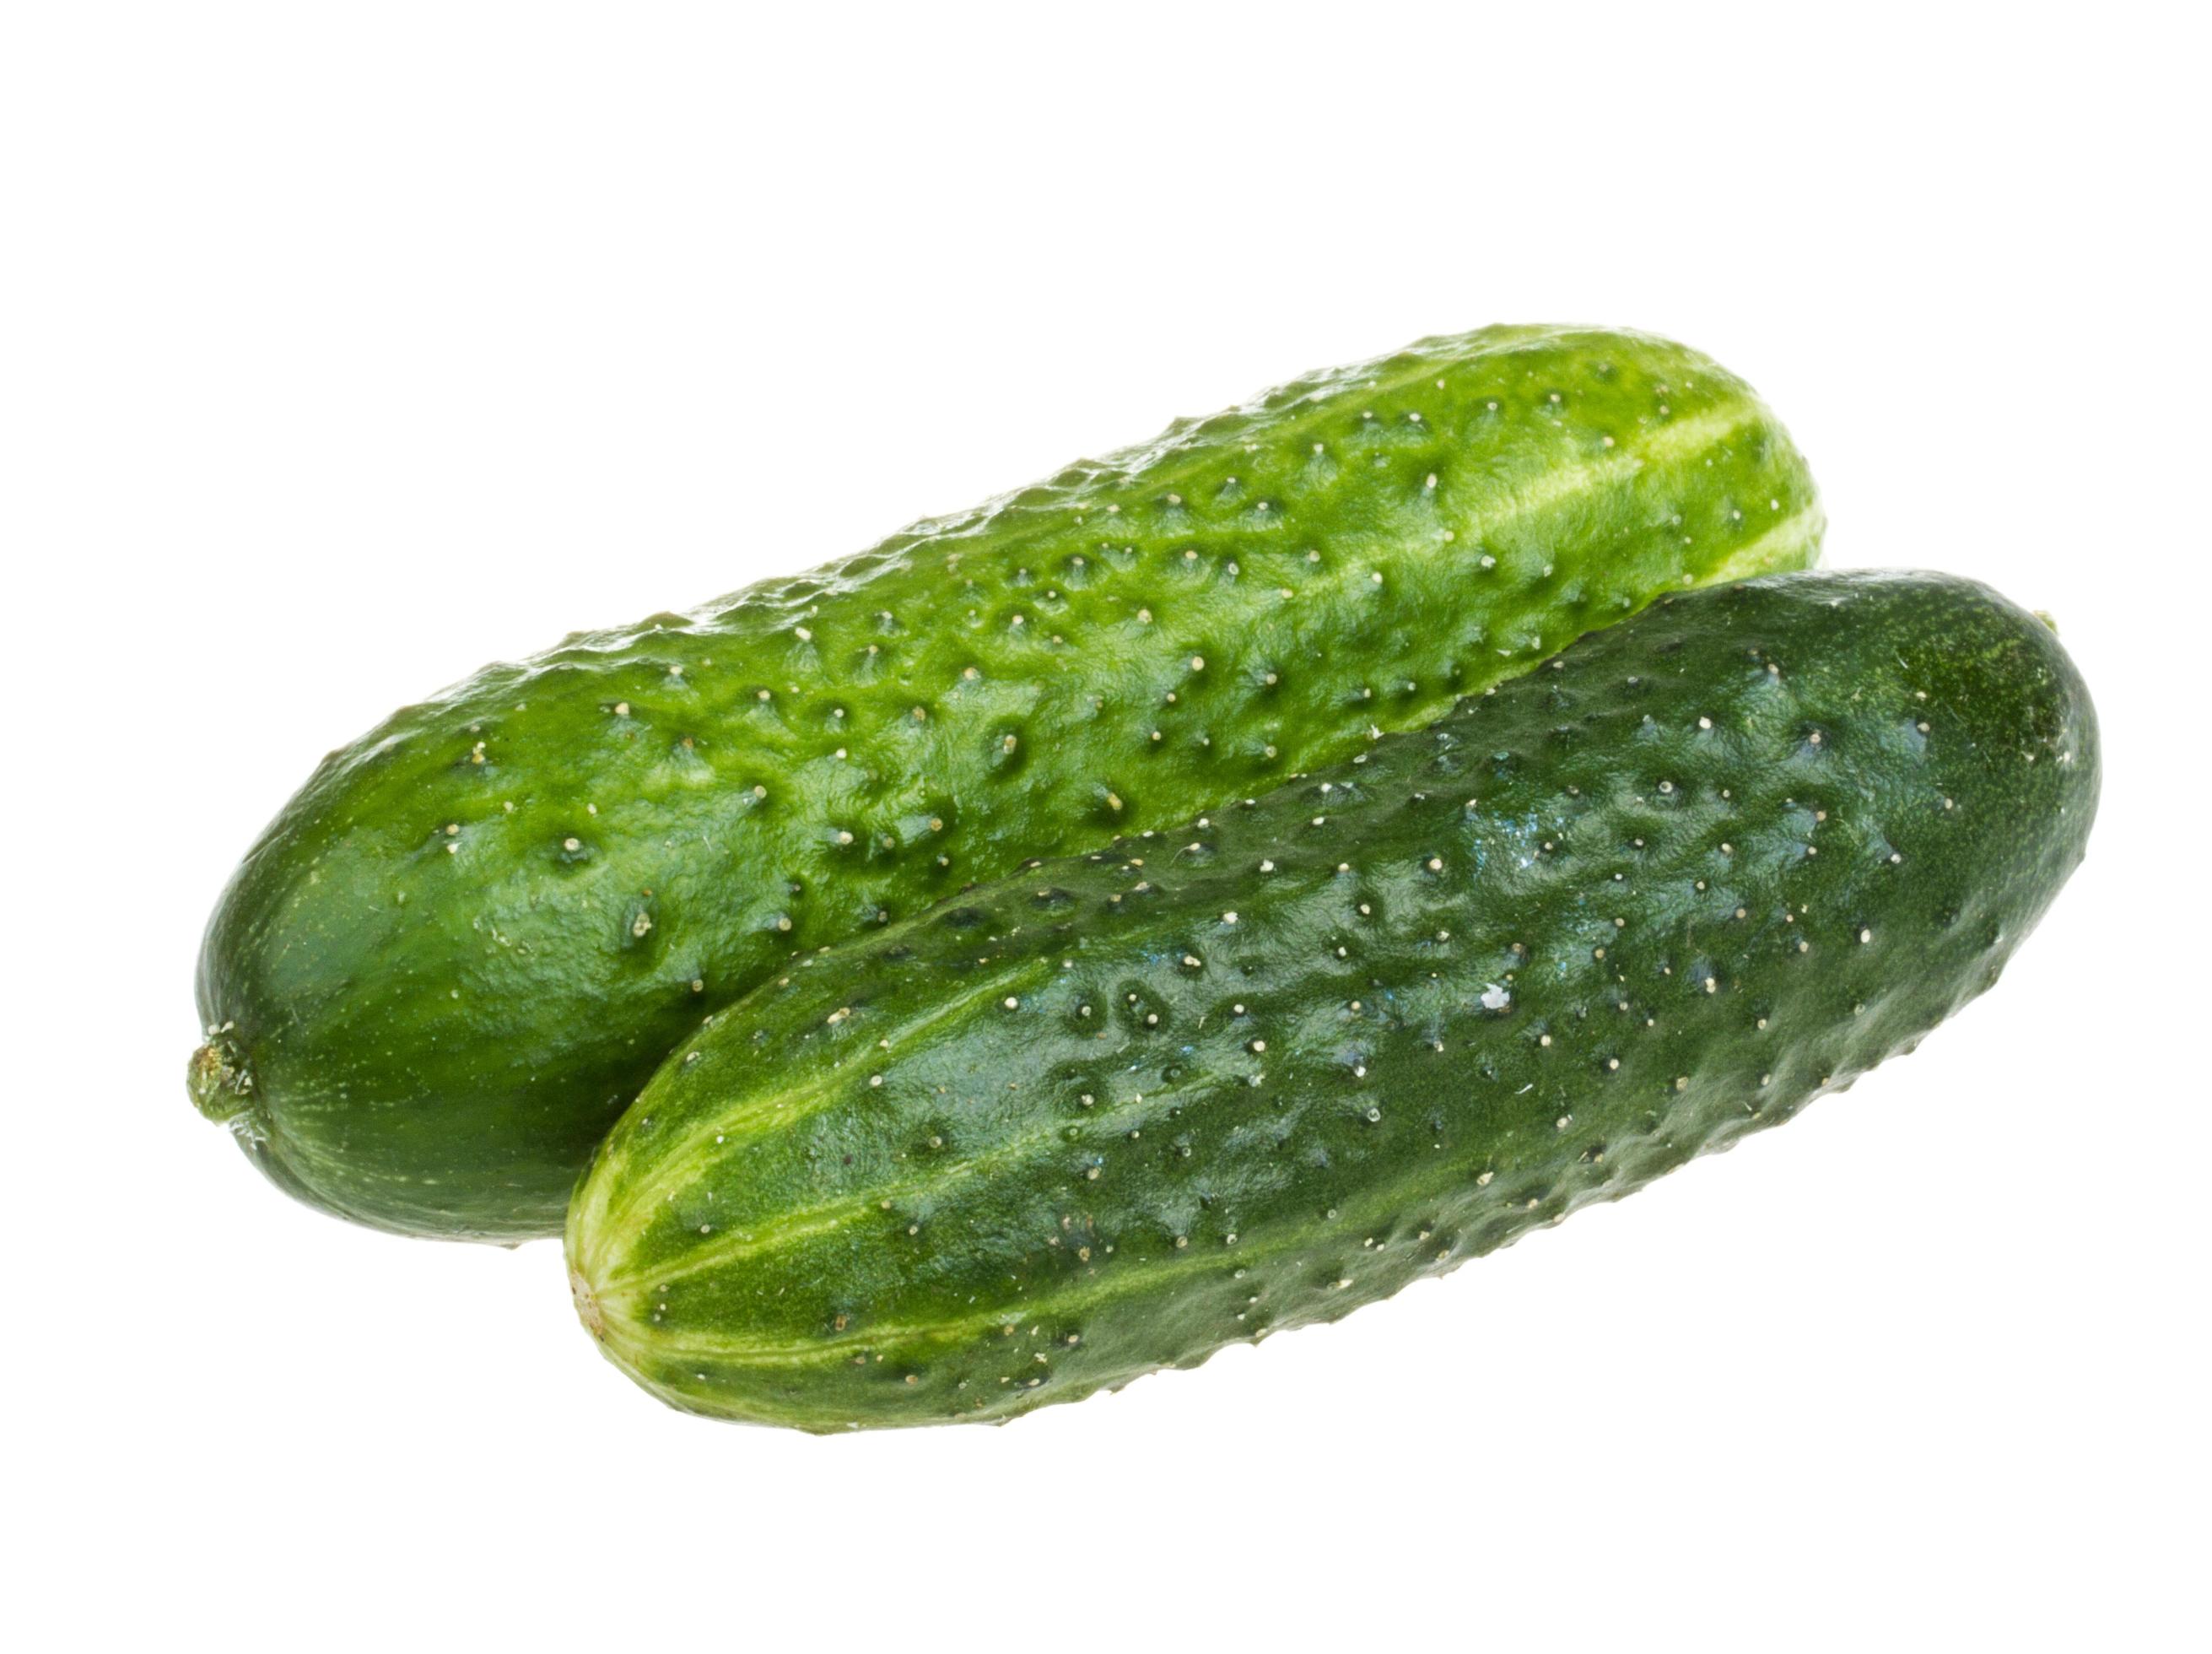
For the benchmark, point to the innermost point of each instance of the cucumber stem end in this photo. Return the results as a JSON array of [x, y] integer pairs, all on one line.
[[217, 1078], [588, 1306]]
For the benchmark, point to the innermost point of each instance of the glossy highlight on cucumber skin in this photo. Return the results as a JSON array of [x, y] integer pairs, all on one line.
[[456, 955], [1117, 1111]]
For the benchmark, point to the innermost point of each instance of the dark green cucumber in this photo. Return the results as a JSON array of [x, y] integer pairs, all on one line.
[[457, 954], [1119, 1110]]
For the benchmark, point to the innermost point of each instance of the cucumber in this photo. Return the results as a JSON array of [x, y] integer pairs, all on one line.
[[456, 955], [1119, 1110]]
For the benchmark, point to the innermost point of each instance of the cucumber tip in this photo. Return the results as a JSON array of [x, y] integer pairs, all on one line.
[[221, 1086], [588, 1306]]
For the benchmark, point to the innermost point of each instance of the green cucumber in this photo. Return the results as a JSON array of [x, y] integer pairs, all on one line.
[[1117, 1111], [455, 956]]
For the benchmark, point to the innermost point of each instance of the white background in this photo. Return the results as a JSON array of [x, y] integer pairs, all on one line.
[[345, 348]]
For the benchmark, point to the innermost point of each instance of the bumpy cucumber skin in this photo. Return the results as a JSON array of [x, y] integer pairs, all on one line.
[[460, 951], [1119, 1110]]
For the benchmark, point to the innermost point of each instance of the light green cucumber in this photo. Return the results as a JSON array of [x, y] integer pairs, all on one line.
[[453, 958]]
